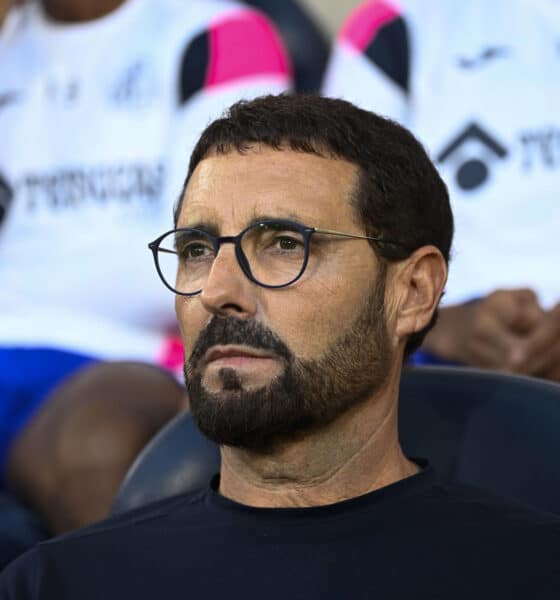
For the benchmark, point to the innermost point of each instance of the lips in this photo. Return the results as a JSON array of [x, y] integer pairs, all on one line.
[[234, 352]]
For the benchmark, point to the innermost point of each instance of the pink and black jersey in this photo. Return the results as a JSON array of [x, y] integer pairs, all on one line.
[[478, 83]]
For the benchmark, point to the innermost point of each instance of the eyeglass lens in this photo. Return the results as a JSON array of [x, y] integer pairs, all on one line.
[[274, 252]]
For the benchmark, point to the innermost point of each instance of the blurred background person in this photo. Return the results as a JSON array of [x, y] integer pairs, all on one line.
[[100, 103], [304, 39], [476, 81]]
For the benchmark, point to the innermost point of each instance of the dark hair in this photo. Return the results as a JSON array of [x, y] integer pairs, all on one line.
[[399, 195]]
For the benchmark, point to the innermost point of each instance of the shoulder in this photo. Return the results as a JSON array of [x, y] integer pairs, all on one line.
[[100, 543], [138, 520], [87, 552], [468, 508], [368, 21], [378, 31], [509, 541], [395, 22], [180, 505], [15, 25], [230, 43]]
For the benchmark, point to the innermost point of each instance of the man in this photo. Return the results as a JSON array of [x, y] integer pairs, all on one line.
[[308, 259], [93, 96], [472, 80]]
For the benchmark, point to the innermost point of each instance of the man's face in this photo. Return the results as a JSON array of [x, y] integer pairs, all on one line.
[[266, 365]]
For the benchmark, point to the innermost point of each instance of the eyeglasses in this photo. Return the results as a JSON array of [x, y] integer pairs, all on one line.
[[271, 253]]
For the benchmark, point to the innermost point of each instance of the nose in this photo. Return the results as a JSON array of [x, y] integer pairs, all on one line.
[[228, 291]]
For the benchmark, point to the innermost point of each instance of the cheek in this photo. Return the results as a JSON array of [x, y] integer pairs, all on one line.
[[191, 321], [309, 324]]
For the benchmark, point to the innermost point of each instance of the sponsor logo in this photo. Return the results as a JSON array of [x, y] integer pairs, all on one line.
[[485, 56], [135, 88], [6, 196], [471, 154], [72, 188], [65, 93], [540, 148]]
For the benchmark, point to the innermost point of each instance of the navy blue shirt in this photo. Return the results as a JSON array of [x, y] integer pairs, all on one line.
[[417, 538]]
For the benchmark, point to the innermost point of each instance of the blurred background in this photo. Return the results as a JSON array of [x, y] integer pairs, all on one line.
[[330, 13]]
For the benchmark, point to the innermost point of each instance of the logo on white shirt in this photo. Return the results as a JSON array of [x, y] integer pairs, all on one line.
[[471, 154], [136, 88], [487, 55]]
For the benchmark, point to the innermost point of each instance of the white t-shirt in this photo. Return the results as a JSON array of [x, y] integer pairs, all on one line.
[[97, 122], [478, 82]]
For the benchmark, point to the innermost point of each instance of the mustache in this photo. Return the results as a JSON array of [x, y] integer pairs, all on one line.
[[229, 330]]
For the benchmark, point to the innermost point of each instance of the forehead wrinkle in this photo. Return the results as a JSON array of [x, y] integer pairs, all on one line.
[[209, 219], [206, 217], [273, 195]]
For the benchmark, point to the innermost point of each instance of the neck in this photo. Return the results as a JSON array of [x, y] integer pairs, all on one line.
[[76, 11], [356, 454]]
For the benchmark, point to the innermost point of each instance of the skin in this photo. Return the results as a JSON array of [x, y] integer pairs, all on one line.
[[69, 461], [76, 11], [360, 451], [507, 330], [5, 5], [541, 351]]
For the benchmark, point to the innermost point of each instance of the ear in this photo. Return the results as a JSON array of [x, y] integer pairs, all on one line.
[[417, 285]]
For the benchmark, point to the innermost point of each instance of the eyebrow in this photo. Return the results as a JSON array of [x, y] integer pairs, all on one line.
[[211, 227], [205, 226], [287, 217]]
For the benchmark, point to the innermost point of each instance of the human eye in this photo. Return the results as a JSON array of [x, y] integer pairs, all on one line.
[[194, 248], [280, 238], [286, 242]]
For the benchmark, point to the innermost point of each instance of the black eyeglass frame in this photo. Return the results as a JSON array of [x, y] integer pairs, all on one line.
[[217, 242]]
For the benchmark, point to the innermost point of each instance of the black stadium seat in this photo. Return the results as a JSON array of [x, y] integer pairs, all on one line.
[[494, 430]]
